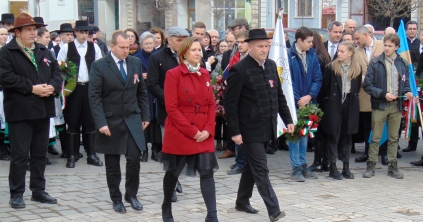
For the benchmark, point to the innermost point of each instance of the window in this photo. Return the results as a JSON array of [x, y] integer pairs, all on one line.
[[227, 10], [304, 8]]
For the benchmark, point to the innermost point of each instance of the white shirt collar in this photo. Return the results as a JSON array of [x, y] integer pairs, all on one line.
[[412, 40], [116, 58], [330, 44], [77, 44]]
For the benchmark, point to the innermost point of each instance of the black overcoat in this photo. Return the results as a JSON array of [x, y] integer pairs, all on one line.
[[331, 92], [122, 106]]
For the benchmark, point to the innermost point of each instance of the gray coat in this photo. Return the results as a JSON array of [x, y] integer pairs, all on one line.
[[122, 106]]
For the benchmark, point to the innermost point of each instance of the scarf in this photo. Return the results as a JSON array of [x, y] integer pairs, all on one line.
[[134, 48], [234, 60], [144, 56], [193, 69]]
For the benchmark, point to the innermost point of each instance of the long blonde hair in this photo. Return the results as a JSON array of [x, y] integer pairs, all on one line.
[[355, 68]]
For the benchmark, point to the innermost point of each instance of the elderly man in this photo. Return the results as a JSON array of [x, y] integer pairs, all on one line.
[[214, 38], [371, 30], [30, 77], [389, 30], [255, 129], [350, 25]]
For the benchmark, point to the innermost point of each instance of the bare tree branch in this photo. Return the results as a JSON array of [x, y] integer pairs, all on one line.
[[158, 7], [393, 8]]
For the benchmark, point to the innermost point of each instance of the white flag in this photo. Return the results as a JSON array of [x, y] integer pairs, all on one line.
[[278, 54]]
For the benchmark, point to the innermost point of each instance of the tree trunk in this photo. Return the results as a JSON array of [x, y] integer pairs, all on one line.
[[391, 23]]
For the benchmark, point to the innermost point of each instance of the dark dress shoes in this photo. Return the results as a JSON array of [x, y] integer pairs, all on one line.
[[417, 163], [44, 198], [362, 159], [17, 202], [144, 157], [118, 207], [246, 208], [409, 149], [135, 203], [52, 150], [277, 215], [178, 187], [63, 155], [70, 163], [94, 160]]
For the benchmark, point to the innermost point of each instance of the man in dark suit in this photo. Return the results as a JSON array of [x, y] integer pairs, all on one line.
[[335, 36], [119, 105], [251, 110]]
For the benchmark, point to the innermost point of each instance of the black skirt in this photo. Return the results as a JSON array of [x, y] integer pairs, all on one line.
[[190, 164]]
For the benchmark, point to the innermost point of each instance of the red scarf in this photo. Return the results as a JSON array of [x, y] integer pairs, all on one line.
[[234, 60]]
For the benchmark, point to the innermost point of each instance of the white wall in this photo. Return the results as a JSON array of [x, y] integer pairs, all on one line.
[[4, 6], [54, 13]]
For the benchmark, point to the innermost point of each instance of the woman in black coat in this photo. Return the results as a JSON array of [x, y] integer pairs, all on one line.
[[340, 87]]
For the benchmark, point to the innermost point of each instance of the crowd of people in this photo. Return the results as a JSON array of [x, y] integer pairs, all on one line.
[[159, 88]]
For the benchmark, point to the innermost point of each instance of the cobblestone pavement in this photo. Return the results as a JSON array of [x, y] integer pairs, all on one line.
[[83, 195]]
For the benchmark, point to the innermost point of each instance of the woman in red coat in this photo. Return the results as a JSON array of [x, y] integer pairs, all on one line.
[[189, 127]]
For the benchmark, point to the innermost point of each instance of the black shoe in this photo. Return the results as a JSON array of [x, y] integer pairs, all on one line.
[[325, 167], [78, 156], [118, 207], [135, 203], [417, 163], [408, 149], [315, 167], [334, 173], [52, 150], [5, 156], [235, 170], [174, 197], [362, 159], [276, 216], [44, 198], [94, 160], [70, 163], [167, 212], [384, 160], [398, 155], [246, 208], [353, 150], [17, 202], [178, 187], [346, 173], [144, 157], [48, 162], [233, 166], [63, 155]]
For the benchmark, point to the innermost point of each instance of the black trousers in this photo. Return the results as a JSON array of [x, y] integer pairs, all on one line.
[[341, 138], [28, 138], [114, 175], [77, 111], [257, 172], [220, 123]]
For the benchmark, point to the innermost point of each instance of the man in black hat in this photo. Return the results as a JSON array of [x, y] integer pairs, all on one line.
[[30, 77], [66, 36], [77, 111], [100, 43], [8, 20], [251, 111]]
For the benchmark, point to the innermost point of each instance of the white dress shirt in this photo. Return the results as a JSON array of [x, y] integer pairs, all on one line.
[[117, 63], [421, 48], [9, 38], [83, 72], [369, 51]]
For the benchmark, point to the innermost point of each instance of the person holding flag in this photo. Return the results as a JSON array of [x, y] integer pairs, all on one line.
[[387, 82]]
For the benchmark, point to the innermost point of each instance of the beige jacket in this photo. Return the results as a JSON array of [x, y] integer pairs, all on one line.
[[361, 57]]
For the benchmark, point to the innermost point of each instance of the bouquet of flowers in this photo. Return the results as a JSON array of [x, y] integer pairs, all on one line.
[[69, 74], [219, 89], [308, 118]]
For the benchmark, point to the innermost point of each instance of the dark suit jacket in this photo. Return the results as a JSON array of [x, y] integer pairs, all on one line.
[[414, 49], [336, 51], [253, 99], [158, 64], [122, 106], [419, 70]]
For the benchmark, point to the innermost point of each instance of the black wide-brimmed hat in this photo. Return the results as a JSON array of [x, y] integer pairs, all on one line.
[[81, 25], [64, 27], [39, 20], [23, 20], [7, 18], [256, 34]]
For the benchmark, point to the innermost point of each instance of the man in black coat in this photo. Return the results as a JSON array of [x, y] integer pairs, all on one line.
[[119, 104], [30, 77], [253, 99]]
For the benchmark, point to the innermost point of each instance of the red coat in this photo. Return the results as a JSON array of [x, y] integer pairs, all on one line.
[[191, 107]]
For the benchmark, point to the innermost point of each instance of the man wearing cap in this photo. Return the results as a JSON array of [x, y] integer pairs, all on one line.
[[160, 62], [251, 111], [7, 19], [66, 36], [100, 43], [77, 111], [30, 77]]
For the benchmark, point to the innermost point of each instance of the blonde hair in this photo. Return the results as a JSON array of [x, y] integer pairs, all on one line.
[[355, 68]]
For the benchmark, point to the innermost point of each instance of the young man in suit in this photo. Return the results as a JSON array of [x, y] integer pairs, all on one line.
[[367, 49], [199, 32], [252, 119], [77, 111], [335, 36], [117, 77]]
